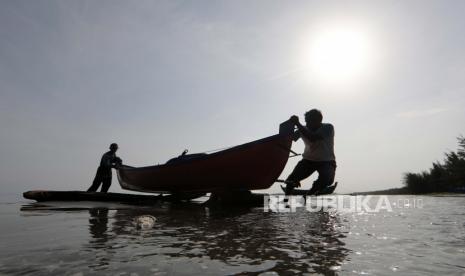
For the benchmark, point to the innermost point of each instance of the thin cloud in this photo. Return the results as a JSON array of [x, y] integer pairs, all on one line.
[[420, 113]]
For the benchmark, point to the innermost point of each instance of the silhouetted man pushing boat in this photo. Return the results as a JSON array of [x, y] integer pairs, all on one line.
[[318, 154], [109, 160]]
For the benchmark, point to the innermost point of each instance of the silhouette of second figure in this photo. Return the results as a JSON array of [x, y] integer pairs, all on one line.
[[103, 176]]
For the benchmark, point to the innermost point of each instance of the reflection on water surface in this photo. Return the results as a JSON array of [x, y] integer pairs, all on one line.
[[64, 239]]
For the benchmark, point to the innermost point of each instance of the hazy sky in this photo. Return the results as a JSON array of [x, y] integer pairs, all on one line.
[[161, 76]]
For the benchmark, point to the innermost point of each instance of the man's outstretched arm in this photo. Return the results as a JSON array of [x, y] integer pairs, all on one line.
[[310, 135]]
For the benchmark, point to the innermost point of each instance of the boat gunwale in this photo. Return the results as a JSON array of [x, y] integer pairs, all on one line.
[[207, 156]]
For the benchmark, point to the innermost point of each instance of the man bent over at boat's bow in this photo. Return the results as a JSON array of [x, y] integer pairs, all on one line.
[[318, 155]]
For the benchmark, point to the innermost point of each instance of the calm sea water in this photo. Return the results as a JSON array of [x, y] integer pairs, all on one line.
[[106, 239]]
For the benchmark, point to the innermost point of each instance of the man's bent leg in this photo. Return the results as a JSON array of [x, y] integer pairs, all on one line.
[[326, 174], [302, 170]]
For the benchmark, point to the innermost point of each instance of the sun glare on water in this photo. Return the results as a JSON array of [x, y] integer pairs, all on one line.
[[338, 56]]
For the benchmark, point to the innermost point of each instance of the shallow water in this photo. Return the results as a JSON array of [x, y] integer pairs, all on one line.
[[96, 238]]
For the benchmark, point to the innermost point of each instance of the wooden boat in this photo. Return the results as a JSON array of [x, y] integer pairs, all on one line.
[[251, 166]]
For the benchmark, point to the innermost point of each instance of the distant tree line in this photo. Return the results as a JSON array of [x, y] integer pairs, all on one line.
[[448, 176]]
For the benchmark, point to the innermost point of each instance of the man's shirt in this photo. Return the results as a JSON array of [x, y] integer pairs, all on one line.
[[321, 149], [107, 162]]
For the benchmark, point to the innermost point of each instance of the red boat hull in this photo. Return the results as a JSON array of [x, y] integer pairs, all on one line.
[[252, 166]]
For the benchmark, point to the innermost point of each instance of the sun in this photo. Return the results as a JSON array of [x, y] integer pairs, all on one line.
[[339, 55]]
